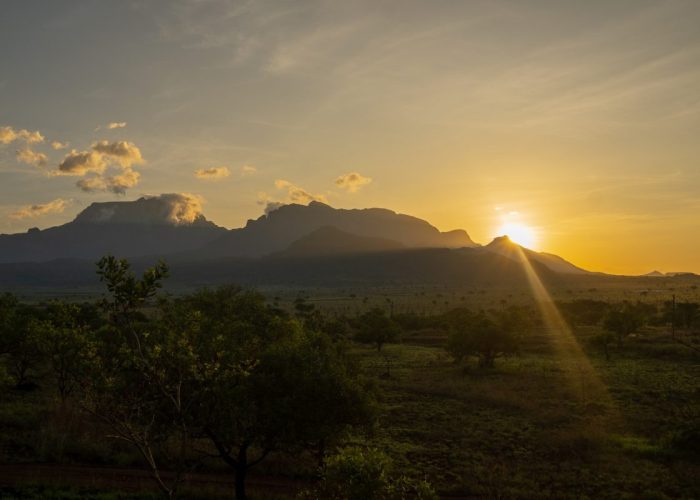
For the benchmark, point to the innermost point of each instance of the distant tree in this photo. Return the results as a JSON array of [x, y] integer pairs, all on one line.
[[487, 337], [604, 340], [375, 327], [688, 314], [356, 473], [623, 322]]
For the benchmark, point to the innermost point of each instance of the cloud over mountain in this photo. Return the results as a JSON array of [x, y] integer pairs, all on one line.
[[352, 182], [103, 154], [56, 206]]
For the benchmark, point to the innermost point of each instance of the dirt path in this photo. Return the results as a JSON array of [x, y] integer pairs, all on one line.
[[130, 479]]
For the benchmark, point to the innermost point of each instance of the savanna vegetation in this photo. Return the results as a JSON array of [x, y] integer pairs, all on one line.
[[227, 391]]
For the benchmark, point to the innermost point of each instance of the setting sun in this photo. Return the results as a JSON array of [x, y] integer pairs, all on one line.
[[519, 233]]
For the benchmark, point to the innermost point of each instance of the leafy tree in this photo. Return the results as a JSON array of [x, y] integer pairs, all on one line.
[[375, 327], [356, 473], [19, 341], [268, 384], [623, 322], [604, 340], [487, 337], [64, 342], [123, 383]]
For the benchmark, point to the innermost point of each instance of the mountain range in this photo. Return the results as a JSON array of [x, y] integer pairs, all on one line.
[[294, 243]]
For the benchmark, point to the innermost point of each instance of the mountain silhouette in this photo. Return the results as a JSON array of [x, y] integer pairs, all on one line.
[[159, 226], [329, 240], [294, 244], [278, 229], [502, 245]]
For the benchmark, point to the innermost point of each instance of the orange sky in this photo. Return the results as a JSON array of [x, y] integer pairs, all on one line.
[[582, 117]]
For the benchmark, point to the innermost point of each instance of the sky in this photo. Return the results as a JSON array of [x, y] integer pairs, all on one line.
[[579, 121]]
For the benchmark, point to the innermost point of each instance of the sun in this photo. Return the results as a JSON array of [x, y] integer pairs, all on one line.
[[519, 233]]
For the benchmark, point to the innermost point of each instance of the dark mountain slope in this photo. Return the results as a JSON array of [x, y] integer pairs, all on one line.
[[158, 226], [280, 228]]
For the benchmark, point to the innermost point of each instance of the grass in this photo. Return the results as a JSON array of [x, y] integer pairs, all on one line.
[[519, 430]]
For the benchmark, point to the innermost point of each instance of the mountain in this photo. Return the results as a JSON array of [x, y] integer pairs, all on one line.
[[292, 244], [654, 274], [278, 229], [158, 226], [504, 246], [329, 240]]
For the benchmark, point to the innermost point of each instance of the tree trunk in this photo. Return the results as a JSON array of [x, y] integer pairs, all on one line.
[[241, 470]]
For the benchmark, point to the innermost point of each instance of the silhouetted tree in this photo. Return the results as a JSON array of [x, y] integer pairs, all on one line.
[[623, 322], [487, 337], [375, 327]]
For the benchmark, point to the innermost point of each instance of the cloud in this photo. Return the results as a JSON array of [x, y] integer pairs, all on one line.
[[114, 125], [59, 145], [92, 184], [56, 206], [181, 207], [123, 152], [352, 181], [103, 154], [213, 173], [81, 163], [30, 157], [117, 184], [247, 170], [295, 194], [9, 134]]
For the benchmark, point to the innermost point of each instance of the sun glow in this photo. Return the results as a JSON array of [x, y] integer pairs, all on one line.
[[519, 233]]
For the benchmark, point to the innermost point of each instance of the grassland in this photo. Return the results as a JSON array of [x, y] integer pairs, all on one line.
[[535, 426]]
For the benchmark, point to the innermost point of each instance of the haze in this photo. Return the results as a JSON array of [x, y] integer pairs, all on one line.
[[577, 121]]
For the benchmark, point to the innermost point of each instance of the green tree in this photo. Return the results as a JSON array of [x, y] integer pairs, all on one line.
[[487, 337], [63, 339], [375, 327], [124, 383], [356, 473], [267, 383], [623, 322]]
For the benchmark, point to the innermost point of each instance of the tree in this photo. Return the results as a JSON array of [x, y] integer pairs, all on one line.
[[487, 337], [604, 340], [623, 322], [267, 383], [375, 327], [125, 383], [356, 473], [64, 343]]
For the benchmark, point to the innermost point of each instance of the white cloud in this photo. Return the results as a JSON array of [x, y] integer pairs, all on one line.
[[114, 125], [213, 173], [56, 206], [103, 154], [9, 134], [247, 170], [59, 145], [30, 157], [295, 194], [352, 181]]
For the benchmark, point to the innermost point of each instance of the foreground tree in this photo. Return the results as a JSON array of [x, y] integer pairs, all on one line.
[[356, 473], [268, 384]]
